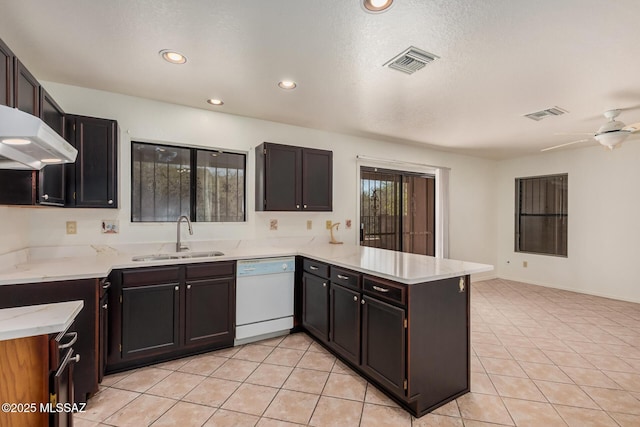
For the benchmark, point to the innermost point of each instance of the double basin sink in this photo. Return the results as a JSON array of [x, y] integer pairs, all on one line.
[[177, 255]]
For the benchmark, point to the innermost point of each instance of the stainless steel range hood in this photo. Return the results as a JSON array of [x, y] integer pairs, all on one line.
[[26, 142]]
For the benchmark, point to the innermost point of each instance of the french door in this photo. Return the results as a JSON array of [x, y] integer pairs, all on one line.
[[397, 210]]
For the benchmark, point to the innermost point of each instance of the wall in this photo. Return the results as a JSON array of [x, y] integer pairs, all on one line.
[[15, 229], [603, 234], [473, 226]]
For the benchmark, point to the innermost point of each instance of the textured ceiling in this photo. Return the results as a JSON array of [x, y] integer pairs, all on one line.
[[500, 59]]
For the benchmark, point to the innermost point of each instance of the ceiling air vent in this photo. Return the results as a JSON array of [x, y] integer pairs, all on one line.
[[539, 115], [411, 60]]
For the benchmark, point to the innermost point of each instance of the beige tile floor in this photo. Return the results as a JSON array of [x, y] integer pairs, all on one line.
[[540, 357]]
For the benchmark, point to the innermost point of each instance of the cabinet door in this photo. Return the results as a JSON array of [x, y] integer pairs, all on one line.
[[282, 172], [384, 344], [6, 75], [344, 322], [317, 180], [62, 387], [315, 299], [51, 189], [26, 90], [103, 334], [150, 319], [210, 311], [95, 170]]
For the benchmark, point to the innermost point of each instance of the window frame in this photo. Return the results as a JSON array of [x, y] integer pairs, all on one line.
[[193, 184], [518, 215]]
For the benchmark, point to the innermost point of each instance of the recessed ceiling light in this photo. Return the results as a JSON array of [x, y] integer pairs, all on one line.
[[376, 6], [50, 160], [173, 56], [287, 84], [214, 101], [16, 141]]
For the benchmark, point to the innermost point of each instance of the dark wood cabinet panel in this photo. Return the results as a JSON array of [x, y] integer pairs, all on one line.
[[344, 322], [383, 344], [6, 75], [210, 311], [315, 305], [26, 90], [290, 178], [51, 189], [92, 180], [85, 372], [150, 319], [18, 187], [317, 180], [279, 167]]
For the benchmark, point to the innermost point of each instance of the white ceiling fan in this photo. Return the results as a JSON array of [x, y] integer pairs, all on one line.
[[611, 134]]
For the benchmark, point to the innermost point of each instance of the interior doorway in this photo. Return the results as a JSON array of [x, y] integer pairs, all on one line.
[[397, 210]]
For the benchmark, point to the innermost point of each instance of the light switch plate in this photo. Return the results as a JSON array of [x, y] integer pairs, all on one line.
[[328, 224]]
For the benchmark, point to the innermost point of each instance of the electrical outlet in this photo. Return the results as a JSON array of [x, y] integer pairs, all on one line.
[[328, 224], [347, 224], [273, 224], [309, 224], [525, 264], [71, 227]]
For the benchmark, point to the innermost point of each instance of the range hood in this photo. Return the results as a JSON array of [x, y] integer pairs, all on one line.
[[26, 142]]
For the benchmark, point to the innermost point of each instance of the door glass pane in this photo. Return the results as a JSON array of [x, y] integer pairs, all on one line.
[[220, 186]]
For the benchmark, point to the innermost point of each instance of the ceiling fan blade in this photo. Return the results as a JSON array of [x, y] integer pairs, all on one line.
[[574, 133], [566, 144], [632, 128]]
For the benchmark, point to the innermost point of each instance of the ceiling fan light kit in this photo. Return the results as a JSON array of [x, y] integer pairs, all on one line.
[[610, 135]]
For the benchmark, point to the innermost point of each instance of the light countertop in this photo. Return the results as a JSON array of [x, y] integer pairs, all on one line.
[[74, 263], [28, 321]]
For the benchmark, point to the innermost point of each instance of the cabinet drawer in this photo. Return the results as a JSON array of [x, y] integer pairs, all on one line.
[[344, 277], [315, 267], [214, 269], [153, 275], [385, 289]]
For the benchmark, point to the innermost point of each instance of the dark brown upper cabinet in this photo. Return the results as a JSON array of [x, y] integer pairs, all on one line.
[[290, 178], [92, 179], [26, 90], [6, 75], [51, 188]]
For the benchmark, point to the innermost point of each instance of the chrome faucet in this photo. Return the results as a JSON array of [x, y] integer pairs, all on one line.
[[179, 246]]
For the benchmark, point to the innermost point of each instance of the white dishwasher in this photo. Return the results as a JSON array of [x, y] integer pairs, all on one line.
[[264, 298]]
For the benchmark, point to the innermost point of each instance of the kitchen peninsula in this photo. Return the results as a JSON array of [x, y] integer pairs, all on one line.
[[399, 319]]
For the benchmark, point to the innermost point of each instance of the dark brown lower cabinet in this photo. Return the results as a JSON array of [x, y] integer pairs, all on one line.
[[150, 319], [160, 313], [85, 371], [208, 317], [344, 322], [315, 305], [411, 341], [384, 344]]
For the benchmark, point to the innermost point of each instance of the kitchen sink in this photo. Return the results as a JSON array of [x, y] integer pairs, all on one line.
[[178, 255]]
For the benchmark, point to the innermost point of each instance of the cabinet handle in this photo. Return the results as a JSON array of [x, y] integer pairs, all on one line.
[[362, 302], [305, 206], [313, 267], [45, 196], [297, 206], [106, 285], [110, 202], [324, 285], [176, 288], [379, 289], [74, 338], [188, 286], [340, 276], [105, 306], [355, 298]]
